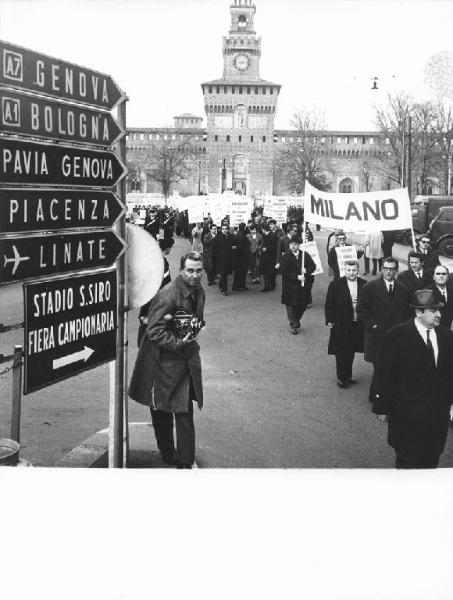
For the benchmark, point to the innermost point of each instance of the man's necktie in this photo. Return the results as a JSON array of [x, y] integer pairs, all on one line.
[[391, 290], [430, 346]]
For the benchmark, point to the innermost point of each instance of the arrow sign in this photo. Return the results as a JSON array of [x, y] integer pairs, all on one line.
[[27, 70], [72, 358], [27, 209], [50, 119], [38, 163], [38, 255], [70, 326]]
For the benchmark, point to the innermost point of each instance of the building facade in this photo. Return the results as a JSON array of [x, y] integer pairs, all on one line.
[[239, 149]]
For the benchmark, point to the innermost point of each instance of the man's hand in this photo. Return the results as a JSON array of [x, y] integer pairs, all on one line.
[[300, 277], [382, 418], [330, 325], [277, 266]]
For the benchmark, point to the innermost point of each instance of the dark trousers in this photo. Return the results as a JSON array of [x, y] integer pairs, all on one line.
[[344, 362], [273, 276], [223, 282], [185, 434], [240, 275], [294, 314], [267, 282], [417, 460], [253, 263]]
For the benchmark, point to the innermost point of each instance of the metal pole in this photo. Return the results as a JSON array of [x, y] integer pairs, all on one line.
[[403, 159], [409, 157], [121, 343], [17, 394]]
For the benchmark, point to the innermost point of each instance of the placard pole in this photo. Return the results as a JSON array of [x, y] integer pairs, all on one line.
[[17, 394]]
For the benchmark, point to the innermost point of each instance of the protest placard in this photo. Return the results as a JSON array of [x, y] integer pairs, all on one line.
[[345, 253], [312, 250]]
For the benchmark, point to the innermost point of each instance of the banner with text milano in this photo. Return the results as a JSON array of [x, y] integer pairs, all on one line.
[[362, 212]]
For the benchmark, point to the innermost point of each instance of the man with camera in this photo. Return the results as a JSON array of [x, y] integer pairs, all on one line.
[[167, 372]]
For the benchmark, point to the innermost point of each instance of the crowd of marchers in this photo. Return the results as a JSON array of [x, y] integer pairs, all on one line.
[[401, 321]]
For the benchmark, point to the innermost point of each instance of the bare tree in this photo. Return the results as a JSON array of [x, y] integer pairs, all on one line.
[[170, 163], [443, 133], [367, 176], [305, 159], [402, 122]]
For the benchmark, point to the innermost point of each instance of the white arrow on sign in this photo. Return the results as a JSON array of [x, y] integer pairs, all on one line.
[[72, 358]]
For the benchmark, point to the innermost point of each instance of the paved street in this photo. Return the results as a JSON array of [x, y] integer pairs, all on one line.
[[271, 398]]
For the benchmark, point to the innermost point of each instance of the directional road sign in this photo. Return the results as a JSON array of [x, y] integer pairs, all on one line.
[[27, 70], [70, 326], [30, 209], [39, 163], [39, 255], [44, 118]]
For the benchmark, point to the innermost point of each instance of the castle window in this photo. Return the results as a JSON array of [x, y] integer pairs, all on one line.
[[264, 90], [338, 140], [165, 137], [283, 139], [218, 89], [248, 89], [233, 89], [271, 90], [264, 138], [355, 140], [256, 90], [227, 138], [157, 137], [210, 89], [240, 89], [134, 136], [291, 140], [346, 140], [371, 140], [150, 136], [251, 138], [142, 137], [323, 140], [216, 138], [242, 22], [225, 89], [240, 138]]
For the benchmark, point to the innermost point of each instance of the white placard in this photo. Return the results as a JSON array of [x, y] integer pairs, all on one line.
[[312, 250], [240, 210], [345, 253]]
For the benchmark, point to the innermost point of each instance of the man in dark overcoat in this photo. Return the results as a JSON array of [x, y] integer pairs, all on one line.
[[414, 385], [415, 277], [346, 333], [240, 259], [430, 256], [294, 294], [167, 372], [268, 258], [222, 253], [443, 292], [382, 303], [332, 256]]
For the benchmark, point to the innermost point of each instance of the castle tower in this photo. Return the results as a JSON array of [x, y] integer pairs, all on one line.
[[240, 111]]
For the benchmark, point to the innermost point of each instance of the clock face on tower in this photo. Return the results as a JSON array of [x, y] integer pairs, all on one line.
[[241, 62]]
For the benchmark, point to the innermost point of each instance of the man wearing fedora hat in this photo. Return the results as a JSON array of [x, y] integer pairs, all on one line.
[[414, 385]]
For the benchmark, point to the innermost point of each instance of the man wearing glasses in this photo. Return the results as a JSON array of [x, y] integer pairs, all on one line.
[[443, 292], [382, 303], [430, 258]]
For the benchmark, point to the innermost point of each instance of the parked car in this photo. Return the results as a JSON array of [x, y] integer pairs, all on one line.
[[423, 209], [441, 231]]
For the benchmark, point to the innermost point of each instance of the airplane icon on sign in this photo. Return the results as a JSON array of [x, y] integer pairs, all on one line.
[[17, 259]]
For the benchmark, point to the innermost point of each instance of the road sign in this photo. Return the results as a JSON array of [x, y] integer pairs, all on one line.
[[51, 119], [40, 255], [39, 163], [70, 327], [27, 209], [28, 70]]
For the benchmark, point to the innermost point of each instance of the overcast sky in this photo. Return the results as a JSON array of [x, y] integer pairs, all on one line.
[[324, 53]]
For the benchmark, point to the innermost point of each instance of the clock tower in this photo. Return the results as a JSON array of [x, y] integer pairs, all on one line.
[[240, 110]]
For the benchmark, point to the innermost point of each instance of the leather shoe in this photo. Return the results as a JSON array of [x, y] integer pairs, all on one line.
[[342, 384], [294, 330]]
